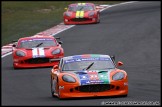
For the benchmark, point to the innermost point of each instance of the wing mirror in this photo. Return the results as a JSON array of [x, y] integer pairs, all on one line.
[[57, 37], [14, 45], [60, 42], [119, 63], [14, 40], [55, 67], [65, 8], [97, 8]]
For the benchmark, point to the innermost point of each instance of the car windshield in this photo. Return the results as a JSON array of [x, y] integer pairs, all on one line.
[[32, 43], [81, 8], [87, 65]]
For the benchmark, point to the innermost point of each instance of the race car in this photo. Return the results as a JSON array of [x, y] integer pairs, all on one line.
[[88, 75], [36, 51], [81, 13]]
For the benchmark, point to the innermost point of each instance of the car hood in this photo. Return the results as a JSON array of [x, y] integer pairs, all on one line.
[[93, 76]]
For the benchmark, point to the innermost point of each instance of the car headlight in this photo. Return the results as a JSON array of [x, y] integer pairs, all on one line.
[[91, 14], [68, 78], [56, 51], [68, 14], [118, 76], [20, 53]]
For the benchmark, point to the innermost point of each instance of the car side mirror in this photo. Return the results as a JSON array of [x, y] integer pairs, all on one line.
[[65, 8], [60, 42], [119, 63], [97, 8], [55, 67], [14, 40], [14, 45], [57, 37]]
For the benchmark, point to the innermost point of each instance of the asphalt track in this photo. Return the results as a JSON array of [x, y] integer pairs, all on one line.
[[131, 32]]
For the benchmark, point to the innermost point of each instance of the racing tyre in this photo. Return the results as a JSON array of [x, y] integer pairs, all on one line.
[[15, 68], [124, 95], [53, 85], [98, 19]]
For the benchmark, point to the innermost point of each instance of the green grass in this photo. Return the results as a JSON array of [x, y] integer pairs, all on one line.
[[26, 18]]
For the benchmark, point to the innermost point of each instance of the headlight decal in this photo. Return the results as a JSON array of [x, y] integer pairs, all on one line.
[[68, 78], [91, 14], [56, 51], [68, 14], [118, 76], [20, 53]]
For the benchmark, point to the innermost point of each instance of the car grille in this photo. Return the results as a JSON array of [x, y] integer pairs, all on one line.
[[80, 19], [94, 88], [37, 60]]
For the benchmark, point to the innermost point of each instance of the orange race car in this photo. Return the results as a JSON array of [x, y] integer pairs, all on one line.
[[81, 13], [36, 51], [88, 75]]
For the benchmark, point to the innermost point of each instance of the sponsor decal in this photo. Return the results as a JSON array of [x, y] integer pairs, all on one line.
[[40, 39], [93, 77], [86, 59], [61, 87]]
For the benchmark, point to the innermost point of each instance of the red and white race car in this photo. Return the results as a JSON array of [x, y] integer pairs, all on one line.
[[81, 13], [37, 51]]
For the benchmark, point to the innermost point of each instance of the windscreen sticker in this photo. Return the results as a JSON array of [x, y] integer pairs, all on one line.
[[86, 59], [35, 40]]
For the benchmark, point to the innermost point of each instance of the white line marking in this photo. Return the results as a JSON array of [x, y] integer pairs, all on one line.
[[6, 54], [123, 3]]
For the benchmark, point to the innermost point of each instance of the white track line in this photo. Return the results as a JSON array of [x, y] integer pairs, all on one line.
[[75, 25], [62, 30], [6, 54]]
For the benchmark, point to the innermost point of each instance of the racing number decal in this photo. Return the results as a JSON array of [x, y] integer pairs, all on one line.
[[79, 14], [38, 52]]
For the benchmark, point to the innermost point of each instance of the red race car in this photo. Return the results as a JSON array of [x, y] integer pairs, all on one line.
[[81, 13], [37, 51], [88, 75]]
